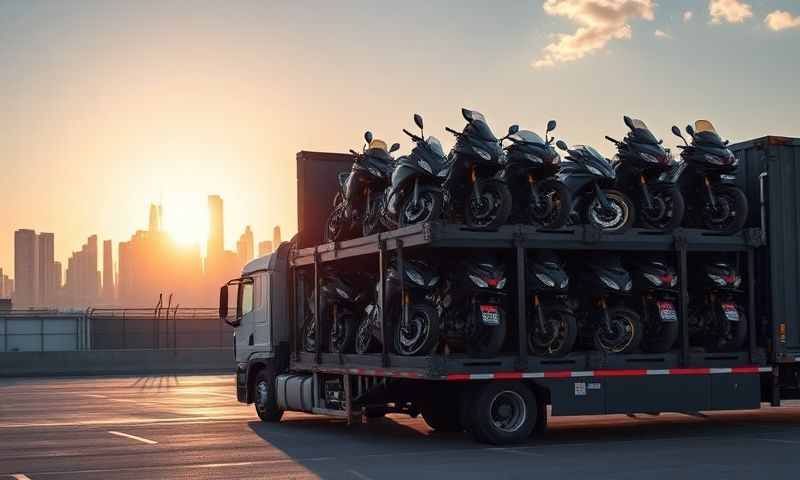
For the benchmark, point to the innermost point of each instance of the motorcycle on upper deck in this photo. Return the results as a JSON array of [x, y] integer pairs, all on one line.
[[642, 166], [359, 203]]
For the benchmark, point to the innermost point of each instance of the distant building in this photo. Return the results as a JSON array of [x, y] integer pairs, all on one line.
[[155, 218], [216, 227], [46, 272], [108, 272], [245, 246], [83, 278], [6, 285], [26, 268], [276, 237], [264, 248]]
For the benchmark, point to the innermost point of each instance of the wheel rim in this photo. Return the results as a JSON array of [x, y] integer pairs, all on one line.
[[551, 339], [508, 411], [609, 220], [262, 392], [723, 215], [363, 337], [413, 334], [621, 335], [484, 209], [661, 212], [422, 211], [548, 206]]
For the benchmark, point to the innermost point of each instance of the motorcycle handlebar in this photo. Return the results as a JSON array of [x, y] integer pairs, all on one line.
[[413, 137], [452, 131], [612, 140], [355, 154]]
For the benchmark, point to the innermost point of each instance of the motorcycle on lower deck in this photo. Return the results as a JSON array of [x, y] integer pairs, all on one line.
[[642, 166], [654, 286], [717, 321], [590, 180], [552, 326], [530, 171], [706, 179], [359, 203]]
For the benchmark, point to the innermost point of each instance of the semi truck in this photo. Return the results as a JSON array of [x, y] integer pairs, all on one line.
[[507, 398]]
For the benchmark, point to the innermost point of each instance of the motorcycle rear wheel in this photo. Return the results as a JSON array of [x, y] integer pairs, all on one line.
[[481, 340], [659, 336]]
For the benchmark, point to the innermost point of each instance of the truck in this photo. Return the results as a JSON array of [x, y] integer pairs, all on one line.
[[508, 397]]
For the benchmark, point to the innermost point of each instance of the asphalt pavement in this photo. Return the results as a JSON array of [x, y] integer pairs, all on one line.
[[171, 427]]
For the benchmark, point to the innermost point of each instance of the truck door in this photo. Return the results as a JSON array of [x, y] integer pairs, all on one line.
[[261, 312], [252, 307]]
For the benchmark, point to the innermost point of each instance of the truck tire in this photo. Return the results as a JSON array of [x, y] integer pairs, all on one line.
[[504, 413], [442, 417], [264, 395]]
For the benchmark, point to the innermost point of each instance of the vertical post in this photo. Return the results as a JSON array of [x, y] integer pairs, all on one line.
[[680, 243], [77, 333], [298, 297], [522, 324], [318, 331], [382, 300], [5, 334], [124, 332], [41, 333], [751, 304], [401, 272]]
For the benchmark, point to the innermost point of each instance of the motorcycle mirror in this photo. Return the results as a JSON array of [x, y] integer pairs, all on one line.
[[368, 137], [513, 129], [726, 142], [551, 125], [561, 145], [690, 130], [467, 114], [395, 147], [676, 131], [418, 120], [661, 141], [628, 121]]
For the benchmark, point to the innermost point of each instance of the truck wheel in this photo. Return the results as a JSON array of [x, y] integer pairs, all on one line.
[[264, 395], [504, 413], [442, 417]]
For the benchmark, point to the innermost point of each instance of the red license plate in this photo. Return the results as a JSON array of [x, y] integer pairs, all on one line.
[[667, 311], [731, 312], [490, 315]]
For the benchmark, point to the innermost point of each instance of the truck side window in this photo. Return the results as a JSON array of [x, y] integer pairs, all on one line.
[[247, 298], [258, 296]]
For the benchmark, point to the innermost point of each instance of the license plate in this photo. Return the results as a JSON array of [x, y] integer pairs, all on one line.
[[731, 312], [490, 315], [667, 311]]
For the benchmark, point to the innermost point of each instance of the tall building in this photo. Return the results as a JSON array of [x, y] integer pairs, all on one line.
[[26, 268], [245, 246], [108, 272], [264, 248], [216, 227], [83, 278], [46, 271], [276, 237], [155, 217], [5, 285]]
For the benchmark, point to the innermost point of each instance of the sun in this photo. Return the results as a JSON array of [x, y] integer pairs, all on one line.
[[185, 218]]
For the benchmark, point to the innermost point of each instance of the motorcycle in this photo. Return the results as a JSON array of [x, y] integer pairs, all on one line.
[[654, 285], [714, 202], [340, 300], [530, 172], [642, 166], [605, 322], [358, 204], [416, 194], [471, 183], [589, 178], [412, 318], [552, 326], [716, 320]]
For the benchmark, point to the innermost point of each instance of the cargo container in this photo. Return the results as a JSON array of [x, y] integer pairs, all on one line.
[[504, 399]]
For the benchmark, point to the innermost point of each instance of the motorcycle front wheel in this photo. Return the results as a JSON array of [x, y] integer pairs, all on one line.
[[419, 335], [427, 209], [365, 342], [554, 206], [667, 211], [730, 213], [372, 217], [342, 333], [559, 334], [492, 208], [617, 218], [625, 333], [335, 225]]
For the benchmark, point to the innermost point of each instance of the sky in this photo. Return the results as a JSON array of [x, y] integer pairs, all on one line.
[[108, 106]]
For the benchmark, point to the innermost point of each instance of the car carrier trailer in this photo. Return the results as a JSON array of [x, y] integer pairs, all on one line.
[[504, 399]]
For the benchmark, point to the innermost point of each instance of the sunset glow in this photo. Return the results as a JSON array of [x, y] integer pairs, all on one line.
[[185, 218]]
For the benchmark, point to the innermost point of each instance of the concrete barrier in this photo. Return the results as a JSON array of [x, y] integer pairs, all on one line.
[[116, 362]]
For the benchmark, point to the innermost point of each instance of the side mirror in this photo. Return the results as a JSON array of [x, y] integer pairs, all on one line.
[[513, 129], [676, 131], [223, 303], [726, 142], [395, 147], [551, 125], [368, 137], [690, 130], [661, 141], [628, 121], [467, 114], [561, 145], [418, 120]]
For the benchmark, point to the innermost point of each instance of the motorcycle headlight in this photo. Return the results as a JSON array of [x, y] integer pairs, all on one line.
[[737, 282], [483, 154], [478, 281], [653, 279], [342, 293], [501, 284], [674, 281], [609, 283], [564, 283], [415, 277], [717, 279], [716, 160], [433, 281], [426, 166], [442, 173], [544, 278], [649, 158], [593, 170], [628, 285], [374, 171]]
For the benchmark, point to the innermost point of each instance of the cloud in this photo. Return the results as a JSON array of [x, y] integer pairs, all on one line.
[[687, 15], [781, 20], [662, 34], [598, 22], [731, 11]]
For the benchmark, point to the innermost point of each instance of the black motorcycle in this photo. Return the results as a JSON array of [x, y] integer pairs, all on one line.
[[590, 179], [717, 321], [530, 171], [654, 285], [412, 317], [416, 194], [605, 322], [642, 166], [473, 306], [341, 300], [552, 326], [358, 206], [471, 183], [707, 183]]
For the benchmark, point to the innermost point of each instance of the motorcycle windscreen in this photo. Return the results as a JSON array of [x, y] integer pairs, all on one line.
[[642, 131], [704, 126], [380, 144], [526, 136]]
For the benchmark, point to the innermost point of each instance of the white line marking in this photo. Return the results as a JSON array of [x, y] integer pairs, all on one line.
[[91, 395], [133, 437], [359, 475], [224, 395], [20, 476]]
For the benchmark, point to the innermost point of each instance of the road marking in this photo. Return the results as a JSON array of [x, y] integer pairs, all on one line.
[[516, 451], [359, 475], [93, 395], [224, 395], [133, 437], [20, 476], [127, 421]]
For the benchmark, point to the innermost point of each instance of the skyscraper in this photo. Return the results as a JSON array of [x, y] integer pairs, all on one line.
[[46, 267], [264, 248], [216, 228], [26, 268], [276, 237], [108, 272], [155, 217], [83, 278], [245, 247]]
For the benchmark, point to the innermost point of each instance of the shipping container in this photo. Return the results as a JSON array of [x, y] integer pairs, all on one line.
[[316, 192]]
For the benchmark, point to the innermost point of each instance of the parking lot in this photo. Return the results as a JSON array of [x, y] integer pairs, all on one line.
[[192, 427]]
